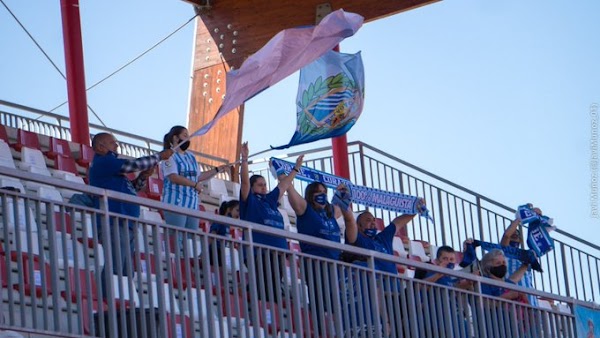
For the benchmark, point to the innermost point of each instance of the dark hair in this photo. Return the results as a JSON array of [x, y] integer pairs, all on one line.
[[254, 178], [362, 215], [309, 194], [97, 139], [228, 205], [442, 249], [176, 130]]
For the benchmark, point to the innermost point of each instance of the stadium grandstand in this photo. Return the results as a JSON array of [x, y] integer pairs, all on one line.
[[50, 256], [188, 283]]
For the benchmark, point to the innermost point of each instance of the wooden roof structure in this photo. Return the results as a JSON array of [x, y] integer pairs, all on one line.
[[229, 31]]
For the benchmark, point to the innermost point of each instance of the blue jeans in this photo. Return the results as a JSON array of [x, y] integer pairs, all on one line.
[[181, 221]]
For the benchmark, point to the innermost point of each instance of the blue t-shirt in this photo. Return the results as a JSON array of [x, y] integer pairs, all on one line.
[[316, 223], [105, 172], [220, 229], [493, 290], [262, 209], [382, 242]]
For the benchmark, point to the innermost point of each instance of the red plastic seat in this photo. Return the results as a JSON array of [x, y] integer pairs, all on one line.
[[294, 246], [26, 139], [3, 272], [3, 134], [65, 164], [204, 224], [86, 155], [58, 147], [154, 187], [36, 278], [181, 330]]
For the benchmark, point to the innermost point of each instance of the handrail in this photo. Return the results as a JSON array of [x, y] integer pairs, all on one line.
[[150, 144]]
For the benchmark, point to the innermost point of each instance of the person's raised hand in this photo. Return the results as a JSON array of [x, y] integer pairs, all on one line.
[[245, 151], [299, 161]]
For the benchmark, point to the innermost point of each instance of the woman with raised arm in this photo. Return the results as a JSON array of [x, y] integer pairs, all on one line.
[[258, 205], [317, 217]]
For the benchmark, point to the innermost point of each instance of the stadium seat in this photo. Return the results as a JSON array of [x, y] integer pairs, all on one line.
[[294, 246], [32, 160], [36, 277], [6, 158], [3, 134], [69, 250], [398, 247], [27, 243], [204, 224], [182, 330], [151, 297], [26, 139], [4, 271], [12, 183], [151, 215], [416, 249], [58, 147], [66, 164], [199, 312], [216, 191], [85, 156], [23, 219], [88, 291], [125, 292], [154, 188]]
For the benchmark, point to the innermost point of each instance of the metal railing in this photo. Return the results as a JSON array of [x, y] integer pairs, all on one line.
[[571, 270], [50, 124], [179, 282]]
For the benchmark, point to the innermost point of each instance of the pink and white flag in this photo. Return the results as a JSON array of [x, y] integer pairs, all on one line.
[[287, 52]]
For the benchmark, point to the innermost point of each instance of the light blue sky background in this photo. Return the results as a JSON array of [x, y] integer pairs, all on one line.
[[493, 95]]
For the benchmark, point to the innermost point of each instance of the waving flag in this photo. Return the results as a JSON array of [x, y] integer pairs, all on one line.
[[284, 54], [330, 97]]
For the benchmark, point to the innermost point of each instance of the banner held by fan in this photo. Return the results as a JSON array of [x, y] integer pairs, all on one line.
[[287, 52], [330, 97]]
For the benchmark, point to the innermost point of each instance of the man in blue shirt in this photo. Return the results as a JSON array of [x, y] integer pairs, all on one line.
[[109, 172], [364, 235]]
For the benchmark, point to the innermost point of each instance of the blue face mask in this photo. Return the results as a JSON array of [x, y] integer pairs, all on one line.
[[450, 266], [370, 232], [321, 199], [514, 244]]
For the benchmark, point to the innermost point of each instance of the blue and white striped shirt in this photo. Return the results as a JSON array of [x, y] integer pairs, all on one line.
[[527, 282], [183, 165]]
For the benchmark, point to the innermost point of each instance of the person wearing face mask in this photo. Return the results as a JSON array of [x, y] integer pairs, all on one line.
[[364, 234], [512, 237], [317, 217], [182, 180], [108, 171], [230, 209], [258, 205], [446, 258], [493, 265]]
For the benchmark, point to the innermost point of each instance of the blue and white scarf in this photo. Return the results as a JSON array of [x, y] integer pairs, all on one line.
[[370, 197], [538, 237], [525, 256]]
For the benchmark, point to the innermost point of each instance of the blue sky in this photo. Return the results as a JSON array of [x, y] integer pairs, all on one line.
[[493, 95]]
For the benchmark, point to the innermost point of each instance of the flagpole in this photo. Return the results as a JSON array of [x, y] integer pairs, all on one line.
[[339, 146]]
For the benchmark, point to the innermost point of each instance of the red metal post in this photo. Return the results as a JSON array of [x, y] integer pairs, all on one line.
[[339, 146], [80, 130]]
